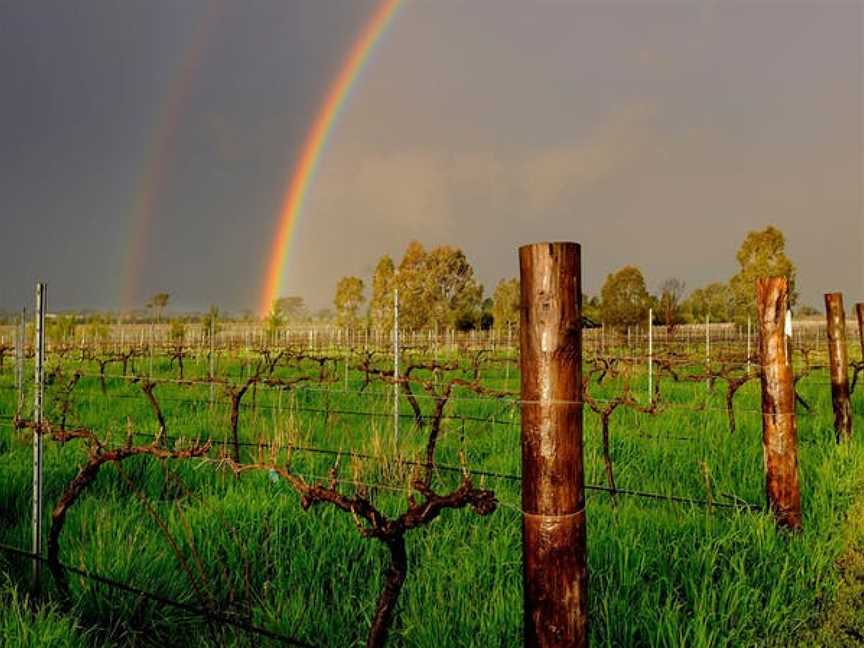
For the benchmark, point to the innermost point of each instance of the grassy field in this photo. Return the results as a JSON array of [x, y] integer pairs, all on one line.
[[661, 573]]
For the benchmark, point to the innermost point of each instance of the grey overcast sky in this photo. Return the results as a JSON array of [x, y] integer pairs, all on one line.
[[653, 133]]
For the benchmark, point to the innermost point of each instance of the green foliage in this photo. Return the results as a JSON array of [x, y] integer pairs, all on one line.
[[22, 626], [210, 321], [806, 311], [505, 304], [762, 254], [177, 331], [290, 309], [715, 300], [437, 290], [669, 305], [158, 303], [348, 300], [591, 308], [61, 329], [99, 327], [381, 303], [624, 299], [661, 573], [274, 321]]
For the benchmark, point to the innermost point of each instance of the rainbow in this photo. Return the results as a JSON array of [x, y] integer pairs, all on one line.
[[315, 143], [152, 181]]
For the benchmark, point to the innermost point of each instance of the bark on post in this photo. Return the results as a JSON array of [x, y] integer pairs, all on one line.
[[555, 568], [839, 360], [779, 438], [859, 308]]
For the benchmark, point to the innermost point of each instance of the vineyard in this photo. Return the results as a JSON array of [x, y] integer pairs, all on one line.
[[239, 487]]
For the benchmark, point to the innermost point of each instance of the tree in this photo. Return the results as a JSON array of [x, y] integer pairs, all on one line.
[[714, 300], [624, 299], [762, 254], [61, 329], [178, 331], [505, 304], [275, 320], [451, 294], [411, 279], [805, 311], [381, 303], [157, 303], [349, 297], [669, 304], [290, 308], [591, 308], [210, 321]]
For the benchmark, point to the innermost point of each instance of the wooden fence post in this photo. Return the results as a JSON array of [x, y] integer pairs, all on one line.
[[859, 308], [779, 439], [839, 358], [555, 566]]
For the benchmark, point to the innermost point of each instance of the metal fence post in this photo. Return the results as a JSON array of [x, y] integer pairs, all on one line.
[[396, 369], [555, 568], [39, 376], [650, 355]]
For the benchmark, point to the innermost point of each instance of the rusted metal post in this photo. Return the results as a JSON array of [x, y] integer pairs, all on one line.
[[839, 360], [779, 438], [555, 569], [859, 309]]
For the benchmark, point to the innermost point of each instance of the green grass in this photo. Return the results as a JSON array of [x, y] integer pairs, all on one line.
[[661, 574]]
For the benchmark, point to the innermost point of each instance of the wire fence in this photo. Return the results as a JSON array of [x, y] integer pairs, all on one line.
[[508, 416]]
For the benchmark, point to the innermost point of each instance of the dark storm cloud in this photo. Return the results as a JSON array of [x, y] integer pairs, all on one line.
[[653, 133]]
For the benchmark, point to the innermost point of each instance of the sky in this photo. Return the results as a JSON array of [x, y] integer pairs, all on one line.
[[145, 146]]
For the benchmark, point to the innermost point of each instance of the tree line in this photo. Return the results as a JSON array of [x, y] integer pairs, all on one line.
[[437, 289]]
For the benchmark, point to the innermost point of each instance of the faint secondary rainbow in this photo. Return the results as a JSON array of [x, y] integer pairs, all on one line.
[[316, 142], [158, 161]]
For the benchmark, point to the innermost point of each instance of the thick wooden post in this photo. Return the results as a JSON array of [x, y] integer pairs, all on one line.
[[779, 438], [555, 567], [839, 359], [859, 308]]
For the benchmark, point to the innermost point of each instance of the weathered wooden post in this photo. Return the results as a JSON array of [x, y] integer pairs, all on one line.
[[555, 566], [859, 308], [779, 438], [839, 360]]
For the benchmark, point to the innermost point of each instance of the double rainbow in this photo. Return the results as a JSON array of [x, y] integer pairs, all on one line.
[[315, 143]]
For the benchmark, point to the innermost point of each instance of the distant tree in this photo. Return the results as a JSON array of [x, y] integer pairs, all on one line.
[[436, 289], [158, 303], [624, 299], [411, 280], [487, 319], [61, 329], [274, 321], [505, 304], [591, 308], [348, 300], [290, 309], [452, 295], [715, 300], [211, 319], [323, 315], [762, 254], [178, 331], [99, 327], [805, 311], [669, 303], [381, 302]]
